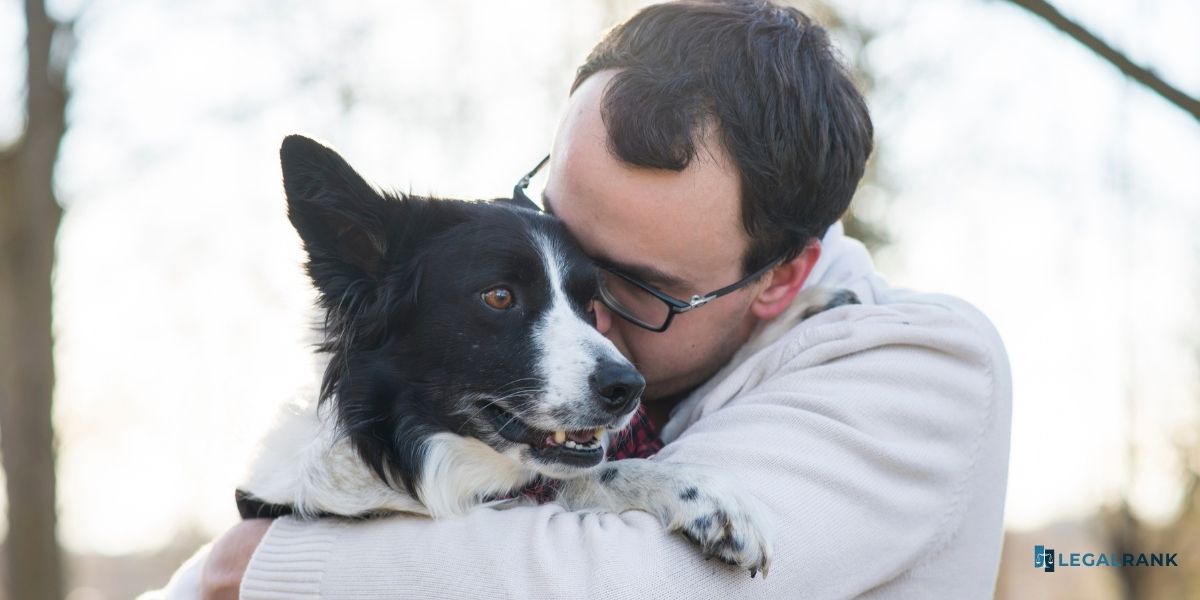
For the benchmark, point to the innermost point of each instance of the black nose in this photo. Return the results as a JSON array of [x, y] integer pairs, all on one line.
[[617, 386]]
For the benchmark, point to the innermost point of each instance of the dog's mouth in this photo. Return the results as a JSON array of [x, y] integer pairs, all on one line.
[[577, 448]]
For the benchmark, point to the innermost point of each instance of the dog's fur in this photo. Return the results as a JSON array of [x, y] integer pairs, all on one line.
[[435, 401], [435, 397]]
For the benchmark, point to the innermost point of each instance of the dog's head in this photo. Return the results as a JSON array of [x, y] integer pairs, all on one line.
[[469, 318]]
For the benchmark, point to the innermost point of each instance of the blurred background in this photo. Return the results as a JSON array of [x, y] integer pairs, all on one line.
[[1016, 167]]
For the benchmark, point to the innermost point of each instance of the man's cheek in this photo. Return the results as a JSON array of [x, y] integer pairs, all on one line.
[[650, 352], [657, 352]]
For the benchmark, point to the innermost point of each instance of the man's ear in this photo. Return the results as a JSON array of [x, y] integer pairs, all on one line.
[[341, 219], [784, 282]]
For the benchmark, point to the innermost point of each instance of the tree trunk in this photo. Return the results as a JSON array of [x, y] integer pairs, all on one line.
[[29, 217]]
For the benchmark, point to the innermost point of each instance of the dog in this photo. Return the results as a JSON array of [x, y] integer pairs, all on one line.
[[462, 364]]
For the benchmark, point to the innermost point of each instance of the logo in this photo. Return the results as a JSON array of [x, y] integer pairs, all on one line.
[[1048, 560], [1043, 557]]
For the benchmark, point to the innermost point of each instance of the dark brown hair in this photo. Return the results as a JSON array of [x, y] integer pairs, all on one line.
[[766, 77]]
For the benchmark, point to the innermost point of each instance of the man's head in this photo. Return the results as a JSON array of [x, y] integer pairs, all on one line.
[[703, 141]]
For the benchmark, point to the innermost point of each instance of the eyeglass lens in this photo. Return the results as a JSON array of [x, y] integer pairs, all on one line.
[[632, 302]]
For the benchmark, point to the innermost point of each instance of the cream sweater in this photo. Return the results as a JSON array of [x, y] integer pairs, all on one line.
[[875, 435]]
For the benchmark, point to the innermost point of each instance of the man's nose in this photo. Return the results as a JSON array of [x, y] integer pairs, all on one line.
[[616, 386], [603, 316]]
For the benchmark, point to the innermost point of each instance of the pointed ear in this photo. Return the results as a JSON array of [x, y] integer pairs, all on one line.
[[340, 218], [519, 200]]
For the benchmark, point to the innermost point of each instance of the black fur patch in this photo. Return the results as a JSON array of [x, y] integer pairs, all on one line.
[[413, 348], [608, 475], [839, 297], [250, 507]]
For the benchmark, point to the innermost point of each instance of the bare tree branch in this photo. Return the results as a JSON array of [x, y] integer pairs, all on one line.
[[29, 218], [1142, 75]]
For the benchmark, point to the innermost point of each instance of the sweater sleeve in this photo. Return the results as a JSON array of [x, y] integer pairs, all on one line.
[[861, 436]]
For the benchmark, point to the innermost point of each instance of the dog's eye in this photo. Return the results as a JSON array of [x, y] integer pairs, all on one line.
[[499, 298]]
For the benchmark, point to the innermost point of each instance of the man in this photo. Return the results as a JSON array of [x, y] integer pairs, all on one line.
[[704, 143]]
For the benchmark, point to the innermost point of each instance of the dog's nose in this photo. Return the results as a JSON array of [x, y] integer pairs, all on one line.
[[617, 386]]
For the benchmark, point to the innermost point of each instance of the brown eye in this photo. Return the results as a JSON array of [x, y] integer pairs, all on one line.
[[499, 298]]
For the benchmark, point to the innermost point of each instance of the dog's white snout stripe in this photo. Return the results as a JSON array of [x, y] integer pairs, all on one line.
[[569, 348]]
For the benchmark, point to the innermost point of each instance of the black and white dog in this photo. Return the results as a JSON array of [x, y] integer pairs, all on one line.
[[462, 364]]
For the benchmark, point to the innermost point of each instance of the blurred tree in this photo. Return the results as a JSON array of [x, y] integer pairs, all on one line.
[[1128, 532], [29, 217], [1148, 78], [854, 37]]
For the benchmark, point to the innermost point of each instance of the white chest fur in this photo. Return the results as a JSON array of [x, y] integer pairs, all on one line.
[[304, 463]]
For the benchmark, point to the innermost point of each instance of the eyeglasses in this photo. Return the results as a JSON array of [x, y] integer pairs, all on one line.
[[519, 194], [649, 308], [633, 299]]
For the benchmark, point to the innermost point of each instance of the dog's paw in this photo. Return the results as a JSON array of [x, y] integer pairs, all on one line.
[[724, 523], [701, 502], [820, 300]]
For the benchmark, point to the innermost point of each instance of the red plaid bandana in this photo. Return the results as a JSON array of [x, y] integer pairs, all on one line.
[[641, 440]]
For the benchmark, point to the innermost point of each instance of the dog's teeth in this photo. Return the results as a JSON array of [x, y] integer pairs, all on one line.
[[598, 433], [560, 437], [571, 444]]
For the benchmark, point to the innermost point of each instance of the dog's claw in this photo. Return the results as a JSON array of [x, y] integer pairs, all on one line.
[[753, 572]]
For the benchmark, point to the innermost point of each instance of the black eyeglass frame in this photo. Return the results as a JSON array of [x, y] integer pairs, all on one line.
[[675, 306], [519, 194]]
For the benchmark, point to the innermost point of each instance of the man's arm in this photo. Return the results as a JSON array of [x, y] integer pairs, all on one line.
[[867, 439]]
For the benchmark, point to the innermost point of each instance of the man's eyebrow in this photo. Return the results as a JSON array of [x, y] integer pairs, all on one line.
[[645, 273]]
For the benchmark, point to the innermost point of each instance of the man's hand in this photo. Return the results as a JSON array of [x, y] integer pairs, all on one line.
[[230, 555]]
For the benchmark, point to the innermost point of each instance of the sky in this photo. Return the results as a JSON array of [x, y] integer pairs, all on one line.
[[1018, 172]]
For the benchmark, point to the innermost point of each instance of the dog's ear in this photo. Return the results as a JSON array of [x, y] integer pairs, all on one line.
[[518, 201], [341, 219]]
